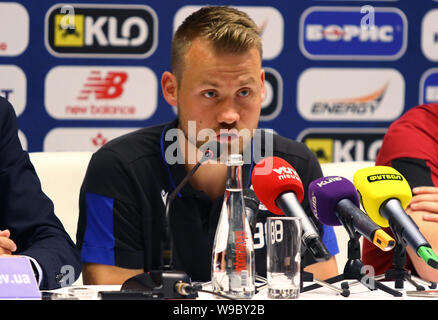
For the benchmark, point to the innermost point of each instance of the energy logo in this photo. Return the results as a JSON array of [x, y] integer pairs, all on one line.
[[350, 94], [357, 105]]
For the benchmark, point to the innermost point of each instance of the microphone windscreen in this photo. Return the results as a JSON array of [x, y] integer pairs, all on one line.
[[377, 184], [273, 176], [324, 195]]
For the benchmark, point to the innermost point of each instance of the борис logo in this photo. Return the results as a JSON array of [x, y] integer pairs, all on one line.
[[112, 31], [334, 33]]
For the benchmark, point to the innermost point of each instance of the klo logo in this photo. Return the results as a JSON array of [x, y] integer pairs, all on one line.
[[101, 30]]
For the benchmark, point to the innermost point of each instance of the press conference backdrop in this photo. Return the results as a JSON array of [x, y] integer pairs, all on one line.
[[337, 72]]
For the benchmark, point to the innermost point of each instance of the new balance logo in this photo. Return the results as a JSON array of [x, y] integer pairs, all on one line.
[[108, 87]]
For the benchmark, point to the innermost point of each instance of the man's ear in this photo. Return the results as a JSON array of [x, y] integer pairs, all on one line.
[[263, 91], [169, 88]]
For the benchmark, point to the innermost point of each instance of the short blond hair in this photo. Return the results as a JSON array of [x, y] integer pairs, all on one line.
[[229, 29]]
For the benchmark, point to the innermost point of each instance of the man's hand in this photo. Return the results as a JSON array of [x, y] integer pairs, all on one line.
[[7, 246], [101, 274], [423, 209], [425, 201]]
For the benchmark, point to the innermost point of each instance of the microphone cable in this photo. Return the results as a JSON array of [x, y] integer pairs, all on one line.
[[186, 289]]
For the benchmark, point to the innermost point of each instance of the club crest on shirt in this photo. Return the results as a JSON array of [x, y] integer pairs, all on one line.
[[164, 195]]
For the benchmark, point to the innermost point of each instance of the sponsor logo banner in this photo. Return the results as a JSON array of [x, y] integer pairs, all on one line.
[[81, 139], [429, 35], [92, 30], [429, 86], [273, 102], [13, 87], [348, 34], [269, 20], [349, 144], [86, 92], [329, 94], [14, 29]]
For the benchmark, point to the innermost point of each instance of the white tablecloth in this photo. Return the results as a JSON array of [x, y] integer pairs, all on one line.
[[357, 292]]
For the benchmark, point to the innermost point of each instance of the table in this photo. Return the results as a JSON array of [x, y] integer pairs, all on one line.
[[357, 292]]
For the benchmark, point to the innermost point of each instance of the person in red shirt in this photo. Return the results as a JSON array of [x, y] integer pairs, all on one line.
[[411, 147]]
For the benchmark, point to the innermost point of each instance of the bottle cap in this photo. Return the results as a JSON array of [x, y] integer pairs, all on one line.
[[235, 160]]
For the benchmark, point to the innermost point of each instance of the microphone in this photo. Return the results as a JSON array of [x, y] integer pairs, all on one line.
[[168, 283], [211, 152], [384, 194], [334, 201], [280, 189], [251, 207]]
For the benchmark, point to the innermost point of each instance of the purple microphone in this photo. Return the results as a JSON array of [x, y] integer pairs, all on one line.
[[334, 201]]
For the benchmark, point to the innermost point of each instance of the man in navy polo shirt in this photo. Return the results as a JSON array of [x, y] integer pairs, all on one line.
[[217, 85]]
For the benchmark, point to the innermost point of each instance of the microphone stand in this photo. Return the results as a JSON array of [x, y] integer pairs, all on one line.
[[308, 276], [398, 273], [166, 283], [353, 266], [168, 241]]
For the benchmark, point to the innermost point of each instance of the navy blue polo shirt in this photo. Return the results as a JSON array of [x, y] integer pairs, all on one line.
[[122, 205]]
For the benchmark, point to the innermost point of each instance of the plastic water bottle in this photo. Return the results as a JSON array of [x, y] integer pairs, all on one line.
[[233, 265]]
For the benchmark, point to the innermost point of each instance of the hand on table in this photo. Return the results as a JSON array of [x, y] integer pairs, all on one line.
[[7, 246]]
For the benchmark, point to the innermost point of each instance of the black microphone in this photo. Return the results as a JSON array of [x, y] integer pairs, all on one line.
[[209, 154], [251, 207], [211, 151], [164, 283]]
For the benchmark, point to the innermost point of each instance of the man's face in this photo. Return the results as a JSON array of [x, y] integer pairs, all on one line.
[[222, 92]]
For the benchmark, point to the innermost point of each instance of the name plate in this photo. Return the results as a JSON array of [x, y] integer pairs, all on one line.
[[17, 280]]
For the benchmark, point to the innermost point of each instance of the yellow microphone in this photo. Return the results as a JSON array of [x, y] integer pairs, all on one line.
[[385, 194], [376, 185]]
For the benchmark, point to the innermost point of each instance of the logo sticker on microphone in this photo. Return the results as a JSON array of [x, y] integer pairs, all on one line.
[[384, 177], [287, 173], [313, 205], [328, 180]]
